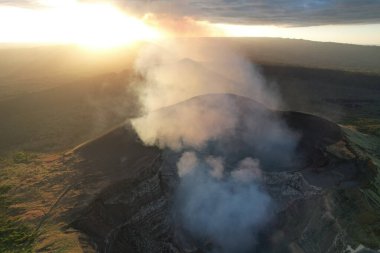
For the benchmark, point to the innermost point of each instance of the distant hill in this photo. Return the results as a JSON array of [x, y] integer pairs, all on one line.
[[53, 97], [25, 69], [305, 53], [34, 68]]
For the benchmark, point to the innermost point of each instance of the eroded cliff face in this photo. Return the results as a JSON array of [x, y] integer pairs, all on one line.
[[134, 207], [134, 215], [131, 208]]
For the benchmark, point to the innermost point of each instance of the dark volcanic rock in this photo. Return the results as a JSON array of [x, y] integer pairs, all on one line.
[[130, 187]]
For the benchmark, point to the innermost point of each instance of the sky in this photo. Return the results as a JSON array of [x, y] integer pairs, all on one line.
[[54, 21]]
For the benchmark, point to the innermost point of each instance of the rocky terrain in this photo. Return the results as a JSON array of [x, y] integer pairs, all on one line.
[[124, 198], [118, 192]]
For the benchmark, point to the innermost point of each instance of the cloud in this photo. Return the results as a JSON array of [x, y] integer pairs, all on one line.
[[277, 12], [255, 12], [20, 3], [181, 26]]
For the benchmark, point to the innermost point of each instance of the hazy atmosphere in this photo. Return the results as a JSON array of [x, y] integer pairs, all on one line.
[[189, 126], [75, 21]]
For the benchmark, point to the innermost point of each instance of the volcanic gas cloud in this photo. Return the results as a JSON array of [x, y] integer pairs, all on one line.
[[219, 200]]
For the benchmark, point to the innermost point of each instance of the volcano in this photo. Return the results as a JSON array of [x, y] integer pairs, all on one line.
[[127, 187]]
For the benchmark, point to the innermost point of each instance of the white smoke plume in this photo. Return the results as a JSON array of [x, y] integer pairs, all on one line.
[[222, 140], [247, 171], [180, 69], [190, 124], [227, 212], [187, 163], [216, 163]]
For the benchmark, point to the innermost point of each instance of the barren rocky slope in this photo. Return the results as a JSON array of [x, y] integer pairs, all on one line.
[[126, 190]]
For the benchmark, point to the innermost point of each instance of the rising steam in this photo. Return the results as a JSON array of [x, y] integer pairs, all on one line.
[[180, 69], [227, 213], [181, 26], [222, 141]]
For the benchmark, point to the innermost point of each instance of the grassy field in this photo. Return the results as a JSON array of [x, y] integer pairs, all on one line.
[[31, 188], [15, 235]]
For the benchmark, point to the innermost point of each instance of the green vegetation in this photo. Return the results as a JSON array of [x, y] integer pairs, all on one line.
[[31, 184], [367, 126], [368, 146], [22, 157], [15, 236]]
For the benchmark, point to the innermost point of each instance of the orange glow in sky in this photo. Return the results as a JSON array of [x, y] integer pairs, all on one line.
[[97, 25], [102, 25]]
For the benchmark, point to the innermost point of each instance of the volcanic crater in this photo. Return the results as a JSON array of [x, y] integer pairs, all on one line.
[[127, 187]]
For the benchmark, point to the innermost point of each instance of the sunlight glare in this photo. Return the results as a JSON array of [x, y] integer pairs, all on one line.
[[96, 25]]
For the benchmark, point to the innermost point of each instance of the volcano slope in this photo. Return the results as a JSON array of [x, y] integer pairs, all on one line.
[[125, 190]]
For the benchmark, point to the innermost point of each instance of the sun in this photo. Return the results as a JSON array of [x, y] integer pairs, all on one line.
[[94, 25], [103, 25]]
